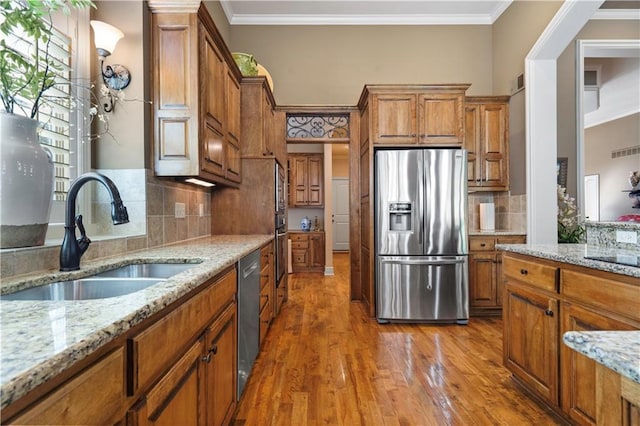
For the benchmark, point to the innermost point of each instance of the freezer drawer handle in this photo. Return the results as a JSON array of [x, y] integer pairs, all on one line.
[[424, 262]]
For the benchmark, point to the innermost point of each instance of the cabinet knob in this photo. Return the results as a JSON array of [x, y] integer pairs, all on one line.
[[524, 272], [548, 312], [206, 358], [483, 245]]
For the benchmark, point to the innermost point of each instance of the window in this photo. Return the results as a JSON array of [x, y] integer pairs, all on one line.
[[55, 112]]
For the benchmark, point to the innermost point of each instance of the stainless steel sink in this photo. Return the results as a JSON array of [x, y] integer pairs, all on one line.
[[147, 270], [83, 289]]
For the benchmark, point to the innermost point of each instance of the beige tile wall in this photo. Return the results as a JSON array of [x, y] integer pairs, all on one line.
[[510, 210], [162, 228]]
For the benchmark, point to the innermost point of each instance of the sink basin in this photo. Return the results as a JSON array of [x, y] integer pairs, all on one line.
[[83, 289], [147, 270]]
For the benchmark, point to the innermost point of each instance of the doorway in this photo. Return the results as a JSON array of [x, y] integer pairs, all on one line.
[[340, 214]]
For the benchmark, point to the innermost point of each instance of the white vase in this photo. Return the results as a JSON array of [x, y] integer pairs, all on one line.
[[26, 183]]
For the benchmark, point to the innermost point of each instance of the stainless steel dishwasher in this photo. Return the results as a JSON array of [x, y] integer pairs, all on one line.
[[248, 315]]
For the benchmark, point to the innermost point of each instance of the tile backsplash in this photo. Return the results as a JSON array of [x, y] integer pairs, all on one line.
[[510, 210], [162, 227]]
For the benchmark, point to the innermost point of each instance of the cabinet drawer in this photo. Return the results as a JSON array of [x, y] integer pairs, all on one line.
[[482, 244], [300, 244], [157, 346], [530, 272], [264, 297], [95, 396], [298, 236], [511, 239], [614, 296], [264, 255]]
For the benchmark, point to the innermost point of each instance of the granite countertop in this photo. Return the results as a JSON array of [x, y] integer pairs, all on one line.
[[617, 350], [497, 232], [575, 254], [41, 339]]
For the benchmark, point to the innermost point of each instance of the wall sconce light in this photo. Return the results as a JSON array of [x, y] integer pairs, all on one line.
[[115, 77]]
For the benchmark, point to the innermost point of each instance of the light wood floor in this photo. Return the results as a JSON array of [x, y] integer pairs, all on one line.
[[325, 362]]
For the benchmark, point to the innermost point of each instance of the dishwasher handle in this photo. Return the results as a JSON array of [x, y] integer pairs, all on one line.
[[398, 261], [250, 269]]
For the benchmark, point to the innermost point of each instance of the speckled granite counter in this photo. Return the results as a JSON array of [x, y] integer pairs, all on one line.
[[618, 350], [40, 339], [575, 254]]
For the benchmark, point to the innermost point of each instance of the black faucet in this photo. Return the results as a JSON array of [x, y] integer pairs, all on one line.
[[72, 249]]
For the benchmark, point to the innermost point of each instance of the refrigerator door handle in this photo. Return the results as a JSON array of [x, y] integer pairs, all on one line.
[[423, 261]]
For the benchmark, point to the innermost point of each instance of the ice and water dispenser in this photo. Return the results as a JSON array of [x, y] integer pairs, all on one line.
[[400, 216]]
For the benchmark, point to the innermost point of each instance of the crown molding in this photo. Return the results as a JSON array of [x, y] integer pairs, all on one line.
[[174, 6], [417, 19]]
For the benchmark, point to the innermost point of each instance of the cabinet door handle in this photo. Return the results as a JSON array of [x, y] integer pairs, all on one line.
[[548, 312], [524, 272], [206, 358], [214, 350], [483, 245]]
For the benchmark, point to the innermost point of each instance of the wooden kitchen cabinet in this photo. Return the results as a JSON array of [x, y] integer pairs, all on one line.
[[258, 118], [175, 399], [530, 342], [486, 121], [617, 399], [307, 251], [545, 299], [306, 180], [417, 114], [220, 368], [267, 289], [485, 273], [594, 302], [94, 396], [196, 99], [197, 370]]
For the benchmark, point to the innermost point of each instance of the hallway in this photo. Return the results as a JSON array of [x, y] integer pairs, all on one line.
[[325, 362]]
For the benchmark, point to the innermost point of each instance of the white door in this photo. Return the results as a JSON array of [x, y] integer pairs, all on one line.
[[592, 198], [340, 214]]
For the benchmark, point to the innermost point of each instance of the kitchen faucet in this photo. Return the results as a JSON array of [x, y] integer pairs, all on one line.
[[72, 249]]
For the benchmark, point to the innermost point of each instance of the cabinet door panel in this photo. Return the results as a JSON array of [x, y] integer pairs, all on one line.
[[220, 368], [233, 162], [472, 141], [315, 176], [316, 241], [233, 107], [531, 340], [394, 119], [578, 373], [175, 398], [441, 119], [213, 160], [95, 396], [482, 271], [213, 81]]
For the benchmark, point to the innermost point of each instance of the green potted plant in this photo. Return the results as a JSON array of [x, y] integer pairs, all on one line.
[[569, 229], [26, 74]]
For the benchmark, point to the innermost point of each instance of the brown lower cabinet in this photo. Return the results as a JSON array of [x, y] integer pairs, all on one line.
[[485, 272], [545, 299], [617, 399], [307, 251], [177, 367]]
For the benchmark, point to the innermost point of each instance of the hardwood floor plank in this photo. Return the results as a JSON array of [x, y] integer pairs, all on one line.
[[325, 362]]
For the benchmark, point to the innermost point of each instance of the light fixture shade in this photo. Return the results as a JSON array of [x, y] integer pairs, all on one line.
[[106, 36]]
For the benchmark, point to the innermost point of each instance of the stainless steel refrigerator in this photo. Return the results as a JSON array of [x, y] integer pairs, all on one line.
[[421, 235]]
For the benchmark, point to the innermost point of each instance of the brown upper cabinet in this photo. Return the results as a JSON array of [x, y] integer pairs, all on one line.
[[306, 180], [196, 99], [258, 118], [487, 142], [425, 114]]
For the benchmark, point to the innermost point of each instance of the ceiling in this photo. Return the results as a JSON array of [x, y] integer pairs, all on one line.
[[389, 12], [363, 12]]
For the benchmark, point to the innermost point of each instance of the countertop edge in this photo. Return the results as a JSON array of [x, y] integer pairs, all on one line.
[[613, 349], [573, 254]]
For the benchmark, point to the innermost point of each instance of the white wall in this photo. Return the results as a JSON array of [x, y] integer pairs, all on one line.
[[619, 91], [600, 141]]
